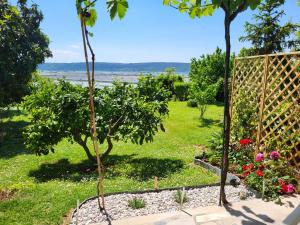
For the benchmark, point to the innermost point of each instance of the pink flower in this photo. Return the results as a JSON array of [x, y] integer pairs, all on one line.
[[274, 155], [259, 157], [290, 188], [246, 141]]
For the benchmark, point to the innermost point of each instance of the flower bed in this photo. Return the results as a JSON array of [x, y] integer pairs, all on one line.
[[267, 172]]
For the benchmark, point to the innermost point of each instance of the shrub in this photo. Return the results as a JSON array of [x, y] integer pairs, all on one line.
[[192, 103], [168, 79], [136, 203], [123, 113], [216, 141], [180, 197], [181, 90]]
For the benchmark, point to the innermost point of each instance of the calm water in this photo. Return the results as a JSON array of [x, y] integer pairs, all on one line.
[[102, 78]]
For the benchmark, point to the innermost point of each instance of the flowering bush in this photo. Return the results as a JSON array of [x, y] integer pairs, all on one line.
[[242, 153], [270, 175]]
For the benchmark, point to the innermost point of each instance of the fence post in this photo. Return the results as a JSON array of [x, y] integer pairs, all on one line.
[[232, 88], [262, 104]]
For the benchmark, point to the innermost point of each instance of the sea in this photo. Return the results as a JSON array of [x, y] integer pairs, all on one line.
[[102, 78]]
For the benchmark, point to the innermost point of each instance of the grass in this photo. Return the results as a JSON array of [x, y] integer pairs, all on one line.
[[49, 186], [136, 203]]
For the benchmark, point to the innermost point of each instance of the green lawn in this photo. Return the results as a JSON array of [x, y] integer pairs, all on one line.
[[49, 186]]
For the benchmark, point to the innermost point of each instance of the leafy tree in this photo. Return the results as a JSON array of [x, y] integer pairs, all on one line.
[[231, 9], [22, 47], [123, 113], [204, 94], [210, 68], [267, 35]]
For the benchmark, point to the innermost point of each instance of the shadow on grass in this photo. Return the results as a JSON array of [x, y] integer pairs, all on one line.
[[209, 122], [9, 113], [11, 139], [140, 169]]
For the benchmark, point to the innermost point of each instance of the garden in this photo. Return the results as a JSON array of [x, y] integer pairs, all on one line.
[[71, 154]]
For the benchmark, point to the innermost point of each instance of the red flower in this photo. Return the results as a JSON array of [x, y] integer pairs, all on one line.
[[246, 141], [284, 188], [247, 169], [259, 173]]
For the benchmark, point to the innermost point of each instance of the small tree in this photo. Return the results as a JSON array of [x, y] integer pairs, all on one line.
[[123, 113], [22, 47], [231, 9], [267, 35], [204, 93]]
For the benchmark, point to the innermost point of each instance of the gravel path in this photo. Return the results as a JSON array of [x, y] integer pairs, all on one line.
[[156, 202]]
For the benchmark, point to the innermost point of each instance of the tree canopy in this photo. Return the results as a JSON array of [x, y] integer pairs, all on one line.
[[123, 113], [22, 47], [268, 35]]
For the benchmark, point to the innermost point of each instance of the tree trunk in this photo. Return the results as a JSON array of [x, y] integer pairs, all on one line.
[[109, 148], [226, 127], [88, 153]]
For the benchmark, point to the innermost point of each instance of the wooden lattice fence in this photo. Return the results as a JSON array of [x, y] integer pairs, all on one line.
[[272, 85]]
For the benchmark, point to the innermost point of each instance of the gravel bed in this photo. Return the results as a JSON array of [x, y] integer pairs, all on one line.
[[156, 202]]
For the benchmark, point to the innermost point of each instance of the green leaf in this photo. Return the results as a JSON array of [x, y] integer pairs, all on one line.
[[90, 21], [166, 2], [117, 7]]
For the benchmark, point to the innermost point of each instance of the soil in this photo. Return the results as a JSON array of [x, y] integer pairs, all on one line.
[[6, 194]]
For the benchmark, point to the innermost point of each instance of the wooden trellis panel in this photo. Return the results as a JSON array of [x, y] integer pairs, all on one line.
[[274, 82]]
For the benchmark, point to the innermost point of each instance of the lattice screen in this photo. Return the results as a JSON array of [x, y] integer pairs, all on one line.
[[273, 84]]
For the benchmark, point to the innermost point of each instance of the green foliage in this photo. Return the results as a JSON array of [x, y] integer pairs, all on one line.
[[268, 35], [123, 112], [136, 203], [216, 141], [22, 47], [198, 9], [192, 103], [87, 9], [204, 94], [244, 121], [180, 197], [181, 90], [210, 68], [168, 79]]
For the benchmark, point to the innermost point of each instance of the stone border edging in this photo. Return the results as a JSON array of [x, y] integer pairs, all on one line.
[[231, 178], [145, 191]]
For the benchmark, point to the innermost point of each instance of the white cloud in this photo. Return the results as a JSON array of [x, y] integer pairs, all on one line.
[[75, 46]]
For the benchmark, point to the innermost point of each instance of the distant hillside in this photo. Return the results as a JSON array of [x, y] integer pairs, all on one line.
[[117, 67]]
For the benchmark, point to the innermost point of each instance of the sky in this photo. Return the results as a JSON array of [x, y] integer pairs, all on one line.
[[150, 32]]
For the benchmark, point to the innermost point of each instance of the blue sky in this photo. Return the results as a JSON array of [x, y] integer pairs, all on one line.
[[150, 32]]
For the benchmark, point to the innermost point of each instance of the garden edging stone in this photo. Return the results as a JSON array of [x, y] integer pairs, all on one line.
[[231, 178]]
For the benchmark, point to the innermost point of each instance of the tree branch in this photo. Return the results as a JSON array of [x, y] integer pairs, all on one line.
[[89, 5], [93, 56], [236, 12]]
